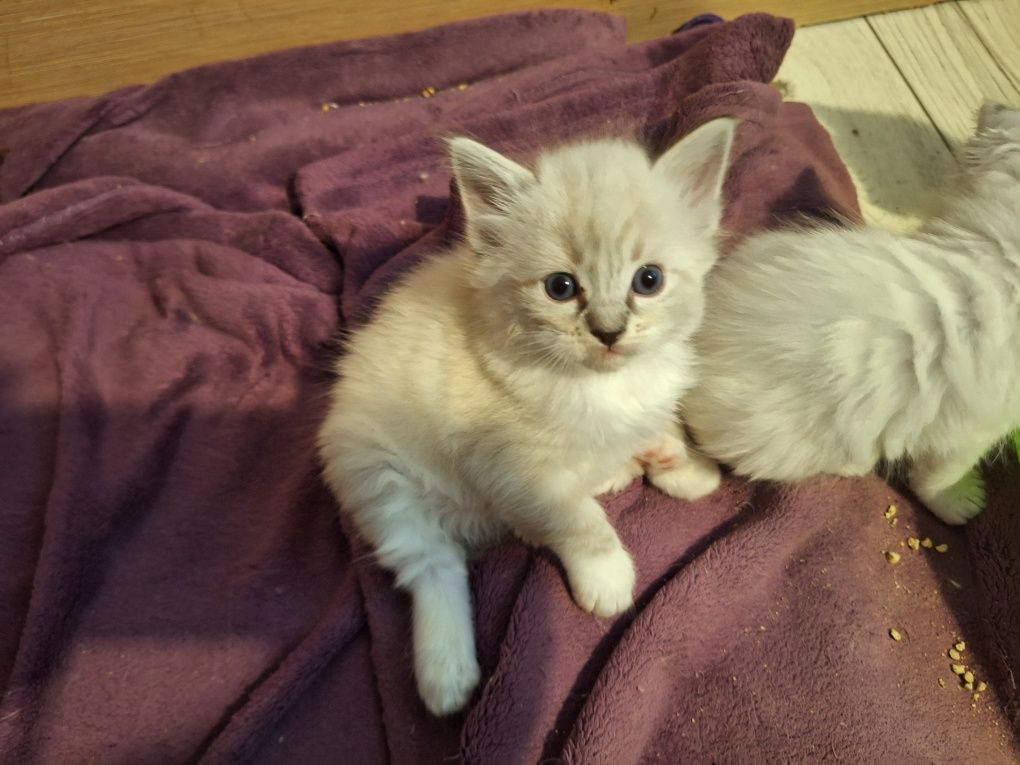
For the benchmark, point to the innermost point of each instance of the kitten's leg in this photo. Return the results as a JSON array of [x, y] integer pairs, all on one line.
[[621, 480], [555, 514], [431, 567], [950, 486], [677, 470]]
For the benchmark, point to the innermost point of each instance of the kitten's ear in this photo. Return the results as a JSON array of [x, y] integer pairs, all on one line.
[[489, 184], [697, 166]]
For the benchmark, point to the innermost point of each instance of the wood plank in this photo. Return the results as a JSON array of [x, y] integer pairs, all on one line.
[[894, 153], [53, 49], [997, 23], [946, 64]]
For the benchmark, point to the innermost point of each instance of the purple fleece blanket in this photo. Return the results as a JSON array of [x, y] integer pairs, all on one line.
[[174, 584]]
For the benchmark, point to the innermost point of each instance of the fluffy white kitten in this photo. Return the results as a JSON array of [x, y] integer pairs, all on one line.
[[504, 384], [825, 351]]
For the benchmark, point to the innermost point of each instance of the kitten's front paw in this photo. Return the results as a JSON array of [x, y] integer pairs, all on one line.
[[621, 480], [603, 584], [693, 478], [961, 501], [446, 679]]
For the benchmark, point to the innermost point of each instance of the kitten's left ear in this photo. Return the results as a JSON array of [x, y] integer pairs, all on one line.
[[489, 185], [697, 166]]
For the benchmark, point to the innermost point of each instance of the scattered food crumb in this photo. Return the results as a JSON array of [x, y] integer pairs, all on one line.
[[958, 669], [428, 92], [914, 543], [890, 512], [423, 177], [783, 87], [960, 646], [892, 521], [330, 106], [954, 654], [895, 634], [976, 696], [968, 677], [982, 686], [942, 683], [926, 543], [942, 548], [969, 686], [892, 557], [462, 86]]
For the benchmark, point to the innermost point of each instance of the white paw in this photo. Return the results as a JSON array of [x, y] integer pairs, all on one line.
[[446, 678], [603, 584], [961, 501], [696, 477], [621, 480]]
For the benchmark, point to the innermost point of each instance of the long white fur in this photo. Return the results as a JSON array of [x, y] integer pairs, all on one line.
[[473, 404], [826, 351]]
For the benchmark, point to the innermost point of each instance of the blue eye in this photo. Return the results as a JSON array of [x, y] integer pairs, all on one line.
[[560, 286], [648, 280]]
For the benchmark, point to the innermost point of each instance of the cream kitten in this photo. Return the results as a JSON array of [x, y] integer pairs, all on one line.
[[825, 351], [504, 384]]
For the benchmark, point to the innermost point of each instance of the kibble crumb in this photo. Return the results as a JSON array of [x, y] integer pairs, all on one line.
[[890, 512], [942, 683], [428, 92], [976, 696], [969, 686], [895, 634], [968, 677], [954, 654], [462, 86], [942, 548], [982, 686], [960, 646], [914, 543], [892, 557], [958, 669], [927, 544]]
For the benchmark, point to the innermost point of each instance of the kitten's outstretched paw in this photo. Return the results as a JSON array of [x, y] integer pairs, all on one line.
[[603, 584], [961, 501], [693, 478], [620, 481], [446, 679]]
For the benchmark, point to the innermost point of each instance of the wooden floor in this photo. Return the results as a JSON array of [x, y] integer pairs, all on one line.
[[898, 91], [52, 49]]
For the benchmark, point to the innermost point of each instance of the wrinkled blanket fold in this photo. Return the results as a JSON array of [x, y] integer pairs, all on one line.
[[175, 587]]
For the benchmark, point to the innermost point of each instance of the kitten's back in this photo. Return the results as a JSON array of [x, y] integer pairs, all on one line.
[[844, 346]]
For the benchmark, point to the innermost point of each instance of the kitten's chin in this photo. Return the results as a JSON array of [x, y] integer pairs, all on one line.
[[606, 360]]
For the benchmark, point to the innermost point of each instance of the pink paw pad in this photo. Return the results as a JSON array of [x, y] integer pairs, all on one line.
[[658, 459]]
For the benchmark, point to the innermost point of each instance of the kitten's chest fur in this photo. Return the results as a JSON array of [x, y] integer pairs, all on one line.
[[599, 417]]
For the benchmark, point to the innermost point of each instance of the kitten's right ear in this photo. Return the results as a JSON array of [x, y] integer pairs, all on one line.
[[696, 166], [489, 185]]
